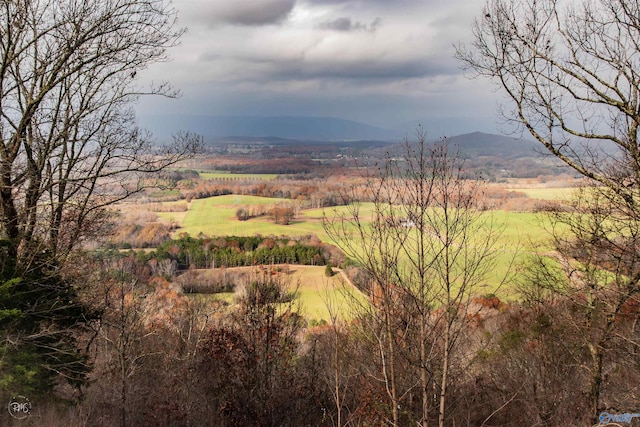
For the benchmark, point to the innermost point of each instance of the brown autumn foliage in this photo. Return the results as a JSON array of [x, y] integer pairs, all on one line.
[[192, 362], [282, 214], [148, 235]]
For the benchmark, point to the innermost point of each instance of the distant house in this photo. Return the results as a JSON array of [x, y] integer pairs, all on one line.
[[407, 223]]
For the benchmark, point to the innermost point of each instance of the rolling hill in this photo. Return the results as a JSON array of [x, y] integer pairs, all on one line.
[[477, 144]]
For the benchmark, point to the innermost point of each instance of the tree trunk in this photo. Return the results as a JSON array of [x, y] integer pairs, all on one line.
[[9, 212], [337, 378], [391, 378], [424, 375], [445, 371], [595, 383]]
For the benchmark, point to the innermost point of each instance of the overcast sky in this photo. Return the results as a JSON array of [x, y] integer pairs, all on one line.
[[380, 62]]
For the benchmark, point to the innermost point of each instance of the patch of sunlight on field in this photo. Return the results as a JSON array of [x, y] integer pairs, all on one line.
[[520, 229], [315, 291], [365, 211], [521, 233], [560, 193], [216, 216]]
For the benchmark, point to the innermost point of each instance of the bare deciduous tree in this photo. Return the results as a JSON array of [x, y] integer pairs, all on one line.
[[69, 146], [594, 275], [428, 247], [69, 149], [571, 74]]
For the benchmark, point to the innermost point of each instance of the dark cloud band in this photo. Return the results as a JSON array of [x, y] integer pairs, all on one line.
[[345, 24], [248, 13]]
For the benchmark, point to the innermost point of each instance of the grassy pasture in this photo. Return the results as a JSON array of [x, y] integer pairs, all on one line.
[[549, 193], [315, 292], [215, 216], [518, 234]]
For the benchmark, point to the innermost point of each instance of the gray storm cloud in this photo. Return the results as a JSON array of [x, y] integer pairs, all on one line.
[[246, 12], [345, 24], [321, 40], [237, 52]]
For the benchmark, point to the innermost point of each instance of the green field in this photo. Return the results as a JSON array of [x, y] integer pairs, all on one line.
[[215, 216], [551, 193], [315, 292]]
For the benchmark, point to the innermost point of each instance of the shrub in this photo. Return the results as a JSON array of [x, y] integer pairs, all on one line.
[[328, 271]]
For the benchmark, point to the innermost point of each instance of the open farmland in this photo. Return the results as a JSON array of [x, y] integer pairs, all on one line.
[[521, 232], [316, 233], [546, 193], [215, 216], [315, 292]]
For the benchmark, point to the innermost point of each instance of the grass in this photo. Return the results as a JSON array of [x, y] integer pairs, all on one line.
[[215, 216], [316, 292], [563, 193], [518, 232]]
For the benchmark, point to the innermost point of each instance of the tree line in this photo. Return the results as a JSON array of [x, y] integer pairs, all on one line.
[[237, 251]]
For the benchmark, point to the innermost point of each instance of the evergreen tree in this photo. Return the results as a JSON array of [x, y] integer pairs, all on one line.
[[41, 319]]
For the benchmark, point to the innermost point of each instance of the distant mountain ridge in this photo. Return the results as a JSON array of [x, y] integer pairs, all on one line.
[[476, 144], [289, 130], [304, 128]]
